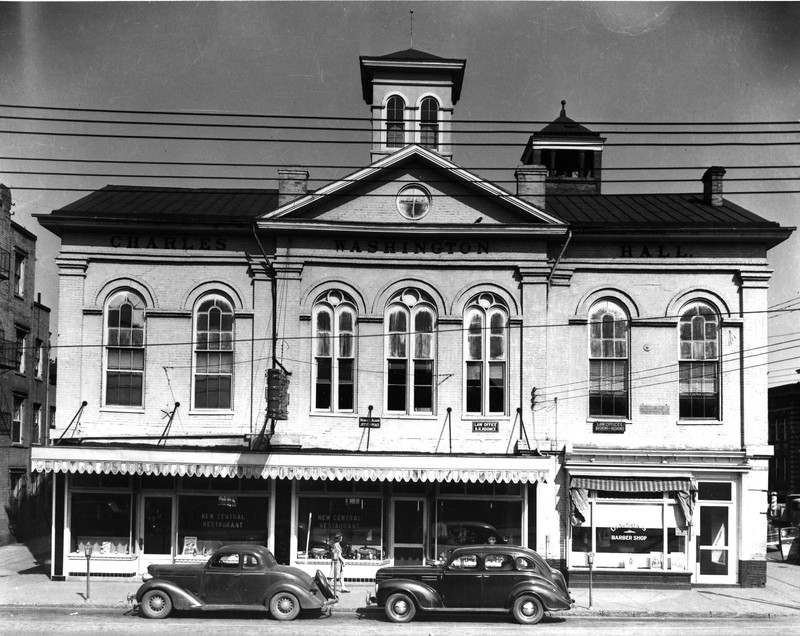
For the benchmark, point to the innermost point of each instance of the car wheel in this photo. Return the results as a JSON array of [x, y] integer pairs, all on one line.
[[528, 609], [322, 583], [400, 608], [156, 604], [284, 606]]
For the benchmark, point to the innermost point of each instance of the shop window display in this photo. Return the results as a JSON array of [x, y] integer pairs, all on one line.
[[470, 521], [358, 519], [102, 521], [206, 522]]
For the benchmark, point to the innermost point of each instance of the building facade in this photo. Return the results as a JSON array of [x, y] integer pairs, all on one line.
[[24, 381], [784, 436], [557, 368]]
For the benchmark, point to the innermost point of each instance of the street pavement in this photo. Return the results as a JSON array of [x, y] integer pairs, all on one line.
[[24, 581]]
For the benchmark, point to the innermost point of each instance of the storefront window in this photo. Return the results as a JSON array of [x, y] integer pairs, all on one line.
[[469, 521], [206, 522], [358, 519], [102, 520]]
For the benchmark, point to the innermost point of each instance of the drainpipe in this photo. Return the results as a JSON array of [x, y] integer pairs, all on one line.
[[274, 292], [558, 260]]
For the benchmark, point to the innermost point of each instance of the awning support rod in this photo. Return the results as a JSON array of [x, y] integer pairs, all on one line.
[[76, 418], [171, 416]]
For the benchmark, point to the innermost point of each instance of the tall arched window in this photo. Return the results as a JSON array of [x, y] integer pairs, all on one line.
[[213, 353], [395, 124], [410, 353], [429, 123], [699, 361], [486, 355], [124, 350], [334, 318], [608, 360]]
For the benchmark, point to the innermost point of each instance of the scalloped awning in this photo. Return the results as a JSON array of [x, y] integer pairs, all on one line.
[[346, 466]]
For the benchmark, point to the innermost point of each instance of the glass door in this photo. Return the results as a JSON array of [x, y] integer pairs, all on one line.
[[157, 528], [408, 538], [715, 537]]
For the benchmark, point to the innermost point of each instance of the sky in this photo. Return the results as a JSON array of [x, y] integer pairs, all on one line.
[[618, 65]]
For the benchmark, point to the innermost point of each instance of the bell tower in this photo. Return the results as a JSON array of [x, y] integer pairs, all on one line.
[[411, 95], [571, 154]]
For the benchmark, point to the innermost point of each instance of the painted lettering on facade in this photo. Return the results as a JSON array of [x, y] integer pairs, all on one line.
[[653, 251], [412, 247], [167, 242]]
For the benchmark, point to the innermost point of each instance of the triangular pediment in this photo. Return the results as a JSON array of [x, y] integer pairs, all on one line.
[[378, 197]]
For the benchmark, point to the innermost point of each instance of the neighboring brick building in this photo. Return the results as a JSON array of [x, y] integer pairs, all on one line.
[[784, 435], [24, 394], [571, 371]]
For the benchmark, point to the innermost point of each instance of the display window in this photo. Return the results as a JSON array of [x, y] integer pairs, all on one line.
[[206, 522], [101, 520], [358, 519]]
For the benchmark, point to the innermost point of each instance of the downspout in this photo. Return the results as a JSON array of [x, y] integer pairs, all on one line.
[[558, 260]]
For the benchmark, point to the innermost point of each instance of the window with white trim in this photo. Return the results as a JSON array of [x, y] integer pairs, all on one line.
[[410, 353], [36, 423], [21, 350], [334, 320], [39, 361], [486, 356], [608, 360], [213, 353], [429, 124], [19, 274], [125, 323], [395, 124], [16, 420], [699, 361]]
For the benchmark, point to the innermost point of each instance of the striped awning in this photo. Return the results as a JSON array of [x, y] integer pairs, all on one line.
[[345, 466], [633, 484]]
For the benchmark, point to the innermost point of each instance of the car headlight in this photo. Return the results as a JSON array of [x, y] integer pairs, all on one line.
[[146, 577]]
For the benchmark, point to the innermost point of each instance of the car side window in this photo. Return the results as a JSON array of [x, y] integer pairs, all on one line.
[[250, 561], [524, 563], [226, 561], [464, 562], [498, 562]]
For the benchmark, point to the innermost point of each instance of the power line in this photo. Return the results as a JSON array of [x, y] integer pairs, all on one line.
[[529, 122]]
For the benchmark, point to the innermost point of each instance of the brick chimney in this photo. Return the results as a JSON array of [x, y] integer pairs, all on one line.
[[5, 200], [712, 185], [292, 184], [530, 184]]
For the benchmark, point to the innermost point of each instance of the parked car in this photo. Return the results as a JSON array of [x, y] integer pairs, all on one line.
[[237, 576], [492, 578]]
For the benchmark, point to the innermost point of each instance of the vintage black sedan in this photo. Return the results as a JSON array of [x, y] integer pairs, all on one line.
[[484, 578], [238, 576]]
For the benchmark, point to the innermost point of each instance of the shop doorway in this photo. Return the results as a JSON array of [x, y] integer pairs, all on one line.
[[408, 530], [715, 537], [157, 531]]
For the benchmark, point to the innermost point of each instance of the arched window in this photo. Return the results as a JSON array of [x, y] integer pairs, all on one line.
[[395, 124], [699, 361], [429, 123], [334, 317], [124, 350], [486, 355], [213, 353], [608, 360], [410, 353]]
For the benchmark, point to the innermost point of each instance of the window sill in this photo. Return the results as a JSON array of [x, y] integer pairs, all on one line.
[[339, 414], [134, 410], [212, 412], [408, 416], [701, 421], [607, 418], [476, 417]]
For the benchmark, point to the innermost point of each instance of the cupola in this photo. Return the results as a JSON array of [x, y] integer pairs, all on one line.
[[411, 95], [570, 153]]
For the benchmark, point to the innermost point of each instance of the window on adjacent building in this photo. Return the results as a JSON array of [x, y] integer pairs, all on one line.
[[486, 355], [334, 352], [699, 361], [429, 123], [39, 361], [52, 421], [608, 360], [395, 124], [125, 350], [19, 274], [213, 344], [35, 423], [21, 350], [16, 420], [410, 353]]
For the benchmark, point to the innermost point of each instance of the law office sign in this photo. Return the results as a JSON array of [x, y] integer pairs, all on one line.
[[485, 427]]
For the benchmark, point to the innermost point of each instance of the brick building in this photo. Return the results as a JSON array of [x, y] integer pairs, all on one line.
[[24, 381], [784, 435], [567, 370]]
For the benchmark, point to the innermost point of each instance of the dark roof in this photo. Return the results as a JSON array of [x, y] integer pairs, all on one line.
[[412, 54], [650, 210], [564, 126], [200, 205]]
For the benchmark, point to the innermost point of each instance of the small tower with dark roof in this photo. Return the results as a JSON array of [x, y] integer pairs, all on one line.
[[571, 153], [411, 94]]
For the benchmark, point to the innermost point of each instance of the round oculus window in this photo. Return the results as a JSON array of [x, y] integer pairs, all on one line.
[[413, 202]]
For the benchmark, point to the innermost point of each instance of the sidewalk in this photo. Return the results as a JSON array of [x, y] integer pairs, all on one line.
[[24, 582]]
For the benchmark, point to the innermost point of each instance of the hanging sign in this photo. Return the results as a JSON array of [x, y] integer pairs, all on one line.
[[369, 422], [608, 427], [485, 427]]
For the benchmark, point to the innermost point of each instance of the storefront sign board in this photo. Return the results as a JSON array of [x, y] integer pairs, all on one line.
[[369, 422], [608, 427], [485, 427]]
